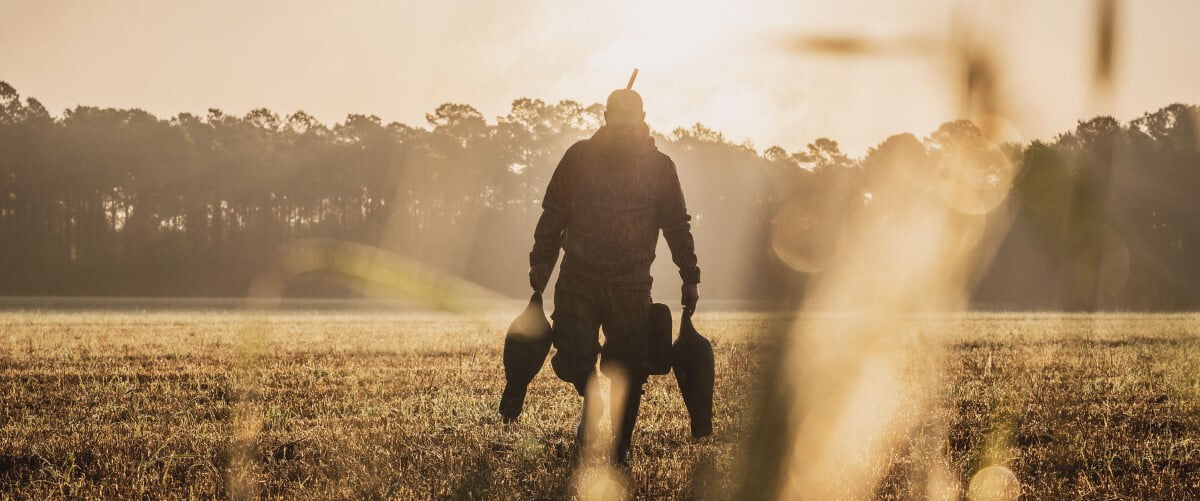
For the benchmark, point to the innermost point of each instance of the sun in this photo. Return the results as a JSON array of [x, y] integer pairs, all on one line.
[[669, 35]]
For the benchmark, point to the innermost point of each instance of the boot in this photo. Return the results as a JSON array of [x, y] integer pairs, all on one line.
[[633, 400]]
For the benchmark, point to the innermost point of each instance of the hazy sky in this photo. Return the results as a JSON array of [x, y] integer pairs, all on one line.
[[725, 64]]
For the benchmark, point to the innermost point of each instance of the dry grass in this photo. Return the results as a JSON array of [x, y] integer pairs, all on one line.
[[403, 406]]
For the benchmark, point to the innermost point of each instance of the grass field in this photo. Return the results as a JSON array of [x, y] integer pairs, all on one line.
[[370, 405]]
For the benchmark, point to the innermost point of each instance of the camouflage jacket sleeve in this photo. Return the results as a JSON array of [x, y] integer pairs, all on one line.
[[676, 225], [548, 235]]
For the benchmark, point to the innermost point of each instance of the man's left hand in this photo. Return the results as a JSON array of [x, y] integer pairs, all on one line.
[[691, 295], [539, 275]]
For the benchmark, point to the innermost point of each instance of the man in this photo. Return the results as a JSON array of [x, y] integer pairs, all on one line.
[[606, 202]]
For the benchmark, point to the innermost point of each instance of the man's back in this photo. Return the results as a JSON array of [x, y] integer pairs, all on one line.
[[605, 205]]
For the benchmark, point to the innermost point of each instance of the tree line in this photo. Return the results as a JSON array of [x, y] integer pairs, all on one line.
[[119, 202]]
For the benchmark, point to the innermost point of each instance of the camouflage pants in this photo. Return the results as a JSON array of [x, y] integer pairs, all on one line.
[[581, 309]]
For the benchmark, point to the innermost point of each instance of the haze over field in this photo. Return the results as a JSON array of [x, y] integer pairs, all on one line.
[[730, 65], [118, 202]]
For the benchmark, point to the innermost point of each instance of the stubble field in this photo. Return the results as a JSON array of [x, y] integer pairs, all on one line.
[[374, 405]]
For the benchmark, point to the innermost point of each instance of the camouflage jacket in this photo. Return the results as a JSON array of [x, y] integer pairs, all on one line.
[[605, 210]]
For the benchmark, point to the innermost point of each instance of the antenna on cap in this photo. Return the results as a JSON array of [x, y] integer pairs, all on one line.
[[631, 79]]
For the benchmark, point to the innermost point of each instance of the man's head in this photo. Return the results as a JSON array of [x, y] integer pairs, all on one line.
[[624, 119], [624, 108]]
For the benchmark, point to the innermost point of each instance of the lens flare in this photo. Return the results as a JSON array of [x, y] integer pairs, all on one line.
[[595, 477], [994, 483]]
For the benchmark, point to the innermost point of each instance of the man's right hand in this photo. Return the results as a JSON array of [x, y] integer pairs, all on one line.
[[539, 276]]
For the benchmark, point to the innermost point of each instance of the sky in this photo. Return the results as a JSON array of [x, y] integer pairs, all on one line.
[[733, 66]]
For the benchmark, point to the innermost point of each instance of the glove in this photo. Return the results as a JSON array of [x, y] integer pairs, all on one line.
[[690, 295], [539, 275]]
